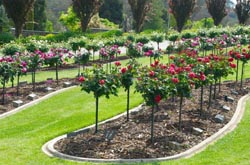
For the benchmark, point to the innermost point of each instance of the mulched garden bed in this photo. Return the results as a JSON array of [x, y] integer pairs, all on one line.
[[26, 89], [120, 139], [132, 139]]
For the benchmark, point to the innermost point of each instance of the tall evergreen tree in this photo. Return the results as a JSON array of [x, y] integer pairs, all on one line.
[[242, 10], [181, 10], [18, 11], [217, 9], [112, 10], [139, 9], [85, 10], [40, 16]]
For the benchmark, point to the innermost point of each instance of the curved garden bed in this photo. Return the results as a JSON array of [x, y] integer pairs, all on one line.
[[119, 140]]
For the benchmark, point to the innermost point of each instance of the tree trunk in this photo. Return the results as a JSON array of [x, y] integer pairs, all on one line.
[[180, 112], [210, 95], [237, 69], [96, 114], [242, 73], [152, 124], [17, 87], [84, 25], [18, 30], [3, 92], [201, 101], [57, 73], [128, 91]]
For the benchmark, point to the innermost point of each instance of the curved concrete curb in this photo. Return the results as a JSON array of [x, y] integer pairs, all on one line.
[[23, 107], [48, 148]]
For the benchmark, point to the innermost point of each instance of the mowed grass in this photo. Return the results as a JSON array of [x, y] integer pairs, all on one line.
[[23, 134]]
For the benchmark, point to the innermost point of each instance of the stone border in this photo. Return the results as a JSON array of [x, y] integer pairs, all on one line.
[[48, 148], [23, 107]]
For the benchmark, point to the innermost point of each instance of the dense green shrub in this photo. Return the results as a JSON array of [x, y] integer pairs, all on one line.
[[6, 38]]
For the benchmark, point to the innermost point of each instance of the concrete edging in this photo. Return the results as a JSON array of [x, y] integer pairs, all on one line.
[[48, 148], [23, 107]]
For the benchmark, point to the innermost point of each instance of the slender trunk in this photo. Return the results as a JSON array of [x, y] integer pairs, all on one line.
[[128, 91], [152, 125], [17, 87], [210, 95], [201, 101], [93, 55], [237, 69], [96, 115], [219, 84], [180, 111], [242, 73], [215, 89], [3, 93], [57, 73], [79, 68], [12, 83], [33, 79]]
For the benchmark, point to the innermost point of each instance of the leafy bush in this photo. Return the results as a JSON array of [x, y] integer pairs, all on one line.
[[6, 38], [12, 48]]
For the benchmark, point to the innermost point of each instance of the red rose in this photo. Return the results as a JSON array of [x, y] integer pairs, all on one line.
[[156, 62], [152, 65], [102, 82], [191, 75], [81, 79], [117, 63], [232, 65], [151, 73], [123, 70], [199, 59], [163, 66], [157, 98], [175, 80], [230, 59], [202, 77]]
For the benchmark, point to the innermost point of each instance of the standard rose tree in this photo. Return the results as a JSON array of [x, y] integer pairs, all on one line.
[[153, 85], [101, 84]]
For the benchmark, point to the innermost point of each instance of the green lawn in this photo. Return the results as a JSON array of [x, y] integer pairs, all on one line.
[[23, 134]]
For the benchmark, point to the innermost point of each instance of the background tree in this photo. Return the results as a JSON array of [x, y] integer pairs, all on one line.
[[242, 10], [217, 9], [156, 19], [29, 23], [112, 10], [139, 9], [85, 10], [18, 11], [40, 16], [4, 22], [181, 10], [70, 20]]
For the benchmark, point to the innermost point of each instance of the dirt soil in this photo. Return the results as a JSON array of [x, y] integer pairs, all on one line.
[[120, 139]]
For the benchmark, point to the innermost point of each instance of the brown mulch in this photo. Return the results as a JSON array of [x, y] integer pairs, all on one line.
[[120, 139]]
